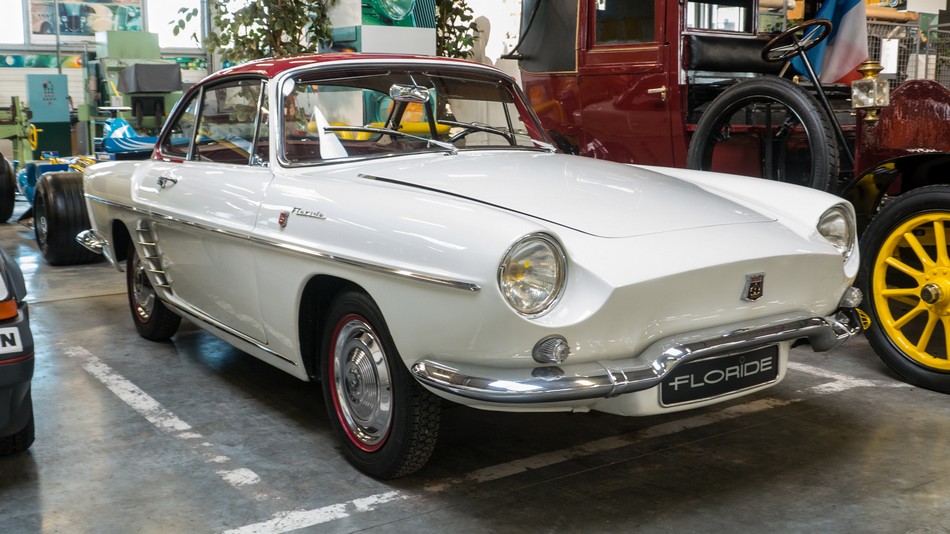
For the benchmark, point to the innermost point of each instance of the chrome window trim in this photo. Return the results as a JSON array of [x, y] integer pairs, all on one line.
[[303, 250]]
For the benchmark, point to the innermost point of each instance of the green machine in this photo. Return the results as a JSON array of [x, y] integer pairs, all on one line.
[[15, 125], [401, 26], [404, 13], [128, 78]]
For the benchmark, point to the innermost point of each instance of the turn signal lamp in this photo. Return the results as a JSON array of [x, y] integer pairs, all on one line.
[[870, 93], [8, 308], [552, 349]]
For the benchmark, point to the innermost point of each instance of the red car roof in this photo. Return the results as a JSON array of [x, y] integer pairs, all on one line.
[[271, 67]]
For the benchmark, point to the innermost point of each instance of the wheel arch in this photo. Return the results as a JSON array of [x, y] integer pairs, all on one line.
[[121, 240], [894, 177], [315, 300]]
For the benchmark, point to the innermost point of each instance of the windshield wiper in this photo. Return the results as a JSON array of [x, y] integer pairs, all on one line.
[[475, 126], [388, 131]]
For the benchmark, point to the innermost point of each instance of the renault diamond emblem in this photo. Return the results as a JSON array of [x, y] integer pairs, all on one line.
[[754, 287]]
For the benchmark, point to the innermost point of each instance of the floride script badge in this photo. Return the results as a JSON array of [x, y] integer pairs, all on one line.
[[285, 215], [754, 287]]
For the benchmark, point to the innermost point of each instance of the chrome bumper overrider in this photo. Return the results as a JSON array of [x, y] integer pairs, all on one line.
[[608, 379], [91, 240]]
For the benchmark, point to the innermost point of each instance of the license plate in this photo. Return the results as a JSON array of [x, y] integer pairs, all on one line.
[[713, 377], [10, 340]]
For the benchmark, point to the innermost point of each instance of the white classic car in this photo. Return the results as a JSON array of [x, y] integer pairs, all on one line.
[[401, 229]]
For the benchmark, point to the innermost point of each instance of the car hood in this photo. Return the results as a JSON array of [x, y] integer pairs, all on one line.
[[595, 197]]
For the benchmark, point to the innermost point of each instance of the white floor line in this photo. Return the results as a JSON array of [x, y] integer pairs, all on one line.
[[289, 521], [295, 520], [242, 479], [248, 483], [845, 379]]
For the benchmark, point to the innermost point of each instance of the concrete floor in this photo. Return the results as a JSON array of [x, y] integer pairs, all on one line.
[[194, 436]]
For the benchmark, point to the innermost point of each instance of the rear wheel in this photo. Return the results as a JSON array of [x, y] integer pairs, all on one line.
[[770, 128], [387, 421], [7, 190], [153, 320], [906, 277], [59, 214]]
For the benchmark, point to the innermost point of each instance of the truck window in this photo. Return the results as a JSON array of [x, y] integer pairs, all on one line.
[[720, 15], [623, 21]]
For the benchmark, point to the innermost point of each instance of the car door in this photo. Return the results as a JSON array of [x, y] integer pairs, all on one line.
[[204, 192], [627, 81]]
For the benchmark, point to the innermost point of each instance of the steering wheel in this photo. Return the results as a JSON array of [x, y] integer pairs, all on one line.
[[788, 44]]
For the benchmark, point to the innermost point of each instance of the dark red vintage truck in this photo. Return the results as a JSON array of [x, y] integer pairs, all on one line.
[[704, 84]]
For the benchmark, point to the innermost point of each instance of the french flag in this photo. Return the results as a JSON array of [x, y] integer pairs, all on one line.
[[836, 58]]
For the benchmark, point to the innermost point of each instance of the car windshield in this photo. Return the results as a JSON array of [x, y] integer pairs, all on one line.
[[386, 111]]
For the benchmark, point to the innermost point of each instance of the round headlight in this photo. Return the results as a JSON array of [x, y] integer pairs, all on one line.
[[837, 226], [532, 274]]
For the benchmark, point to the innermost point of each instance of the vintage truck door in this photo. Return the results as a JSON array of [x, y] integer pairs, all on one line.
[[626, 86]]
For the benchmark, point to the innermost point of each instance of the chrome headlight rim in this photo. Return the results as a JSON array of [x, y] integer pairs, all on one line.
[[560, 257], [850, 227]]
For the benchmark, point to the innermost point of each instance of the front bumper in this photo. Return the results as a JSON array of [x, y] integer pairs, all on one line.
[[596, 380]]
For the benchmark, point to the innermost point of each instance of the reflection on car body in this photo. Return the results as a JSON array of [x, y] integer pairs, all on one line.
[[401, 229]]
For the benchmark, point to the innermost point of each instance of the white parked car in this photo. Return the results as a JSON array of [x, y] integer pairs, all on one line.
[[402, 229]]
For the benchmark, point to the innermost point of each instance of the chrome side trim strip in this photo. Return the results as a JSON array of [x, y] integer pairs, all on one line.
[[307, 251], [383, 269], [114, 204], [200, 317], [608, 379]]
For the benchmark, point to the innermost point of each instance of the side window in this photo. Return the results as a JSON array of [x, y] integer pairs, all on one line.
[[226, 127], [182, 132], [624, 21], [720, 15]]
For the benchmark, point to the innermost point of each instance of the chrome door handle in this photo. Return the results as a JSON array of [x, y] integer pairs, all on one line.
[[166, 181], [658, 91]]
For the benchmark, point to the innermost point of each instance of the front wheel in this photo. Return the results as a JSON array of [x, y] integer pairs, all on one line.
[[387, 421], [767, 127], [905, 276], [153, 320]]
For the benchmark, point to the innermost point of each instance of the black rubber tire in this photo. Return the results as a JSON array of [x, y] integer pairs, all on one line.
[[21, 440], [59, 214], [407, 440], [820, 173], [7, 190], [923, 202], [153, 320]]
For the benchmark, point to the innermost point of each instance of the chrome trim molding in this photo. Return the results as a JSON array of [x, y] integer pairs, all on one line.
[[307, 251], [113, 204], [608, 379], [383, 269], [200, 317]]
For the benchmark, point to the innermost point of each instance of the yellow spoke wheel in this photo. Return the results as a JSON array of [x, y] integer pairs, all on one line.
[[911, 288], [906, 279]]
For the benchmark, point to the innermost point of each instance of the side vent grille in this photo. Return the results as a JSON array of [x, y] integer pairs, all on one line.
[[150, 254]]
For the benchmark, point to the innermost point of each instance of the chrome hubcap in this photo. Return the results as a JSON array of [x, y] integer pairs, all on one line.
[[142, 293], [362, 383]]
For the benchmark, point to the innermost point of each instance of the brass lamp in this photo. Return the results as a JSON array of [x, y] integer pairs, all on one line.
[[870, 93]]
